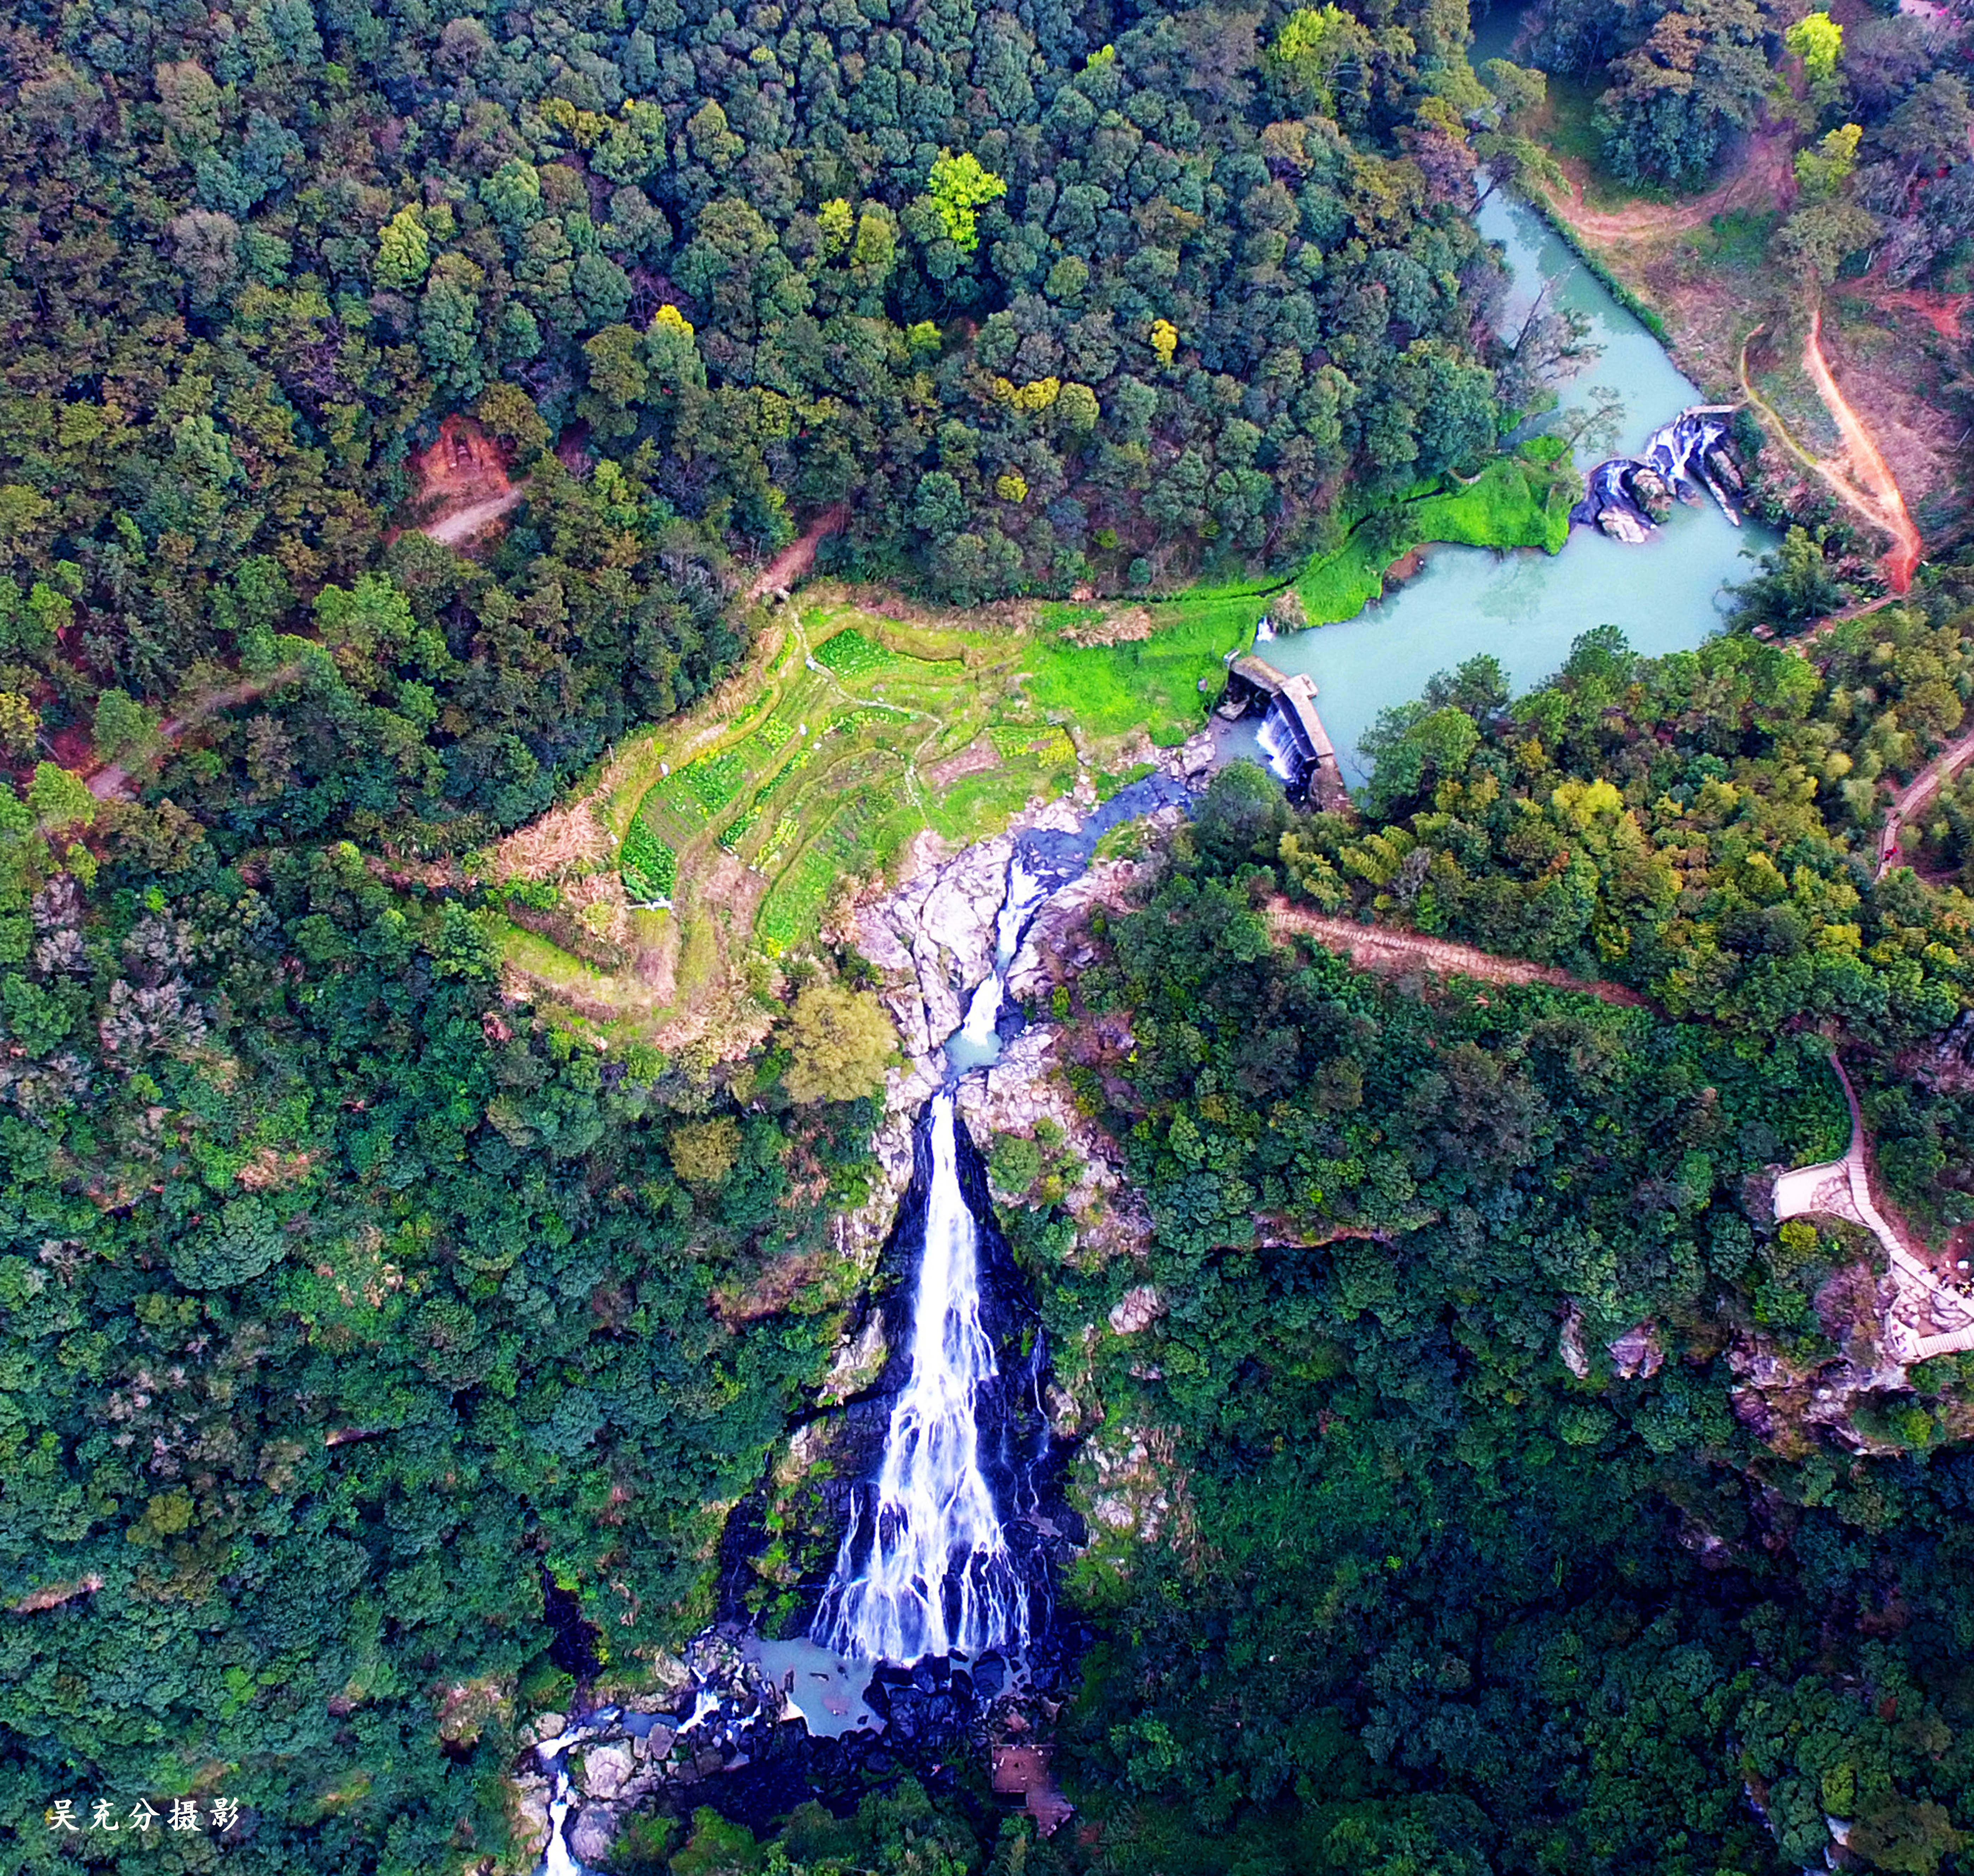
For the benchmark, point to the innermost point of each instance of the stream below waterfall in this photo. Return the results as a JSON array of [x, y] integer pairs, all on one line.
[[1527, 607]]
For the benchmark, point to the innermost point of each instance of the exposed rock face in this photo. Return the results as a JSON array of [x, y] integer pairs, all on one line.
[[1636, 1354], [1139, 1308], [714, 1710], [934, 936], [1569, 1344], [1053, 946], [1784, 1404]]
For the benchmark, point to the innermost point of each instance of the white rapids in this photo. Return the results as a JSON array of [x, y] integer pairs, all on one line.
[[1026, 890], [924, 1568], [1278, 745]]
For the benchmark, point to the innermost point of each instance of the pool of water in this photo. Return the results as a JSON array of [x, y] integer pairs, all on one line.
[[1526, 608]]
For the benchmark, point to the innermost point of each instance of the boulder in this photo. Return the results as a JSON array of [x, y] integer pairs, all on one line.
[[1139, 1308], [1569, 1344], [1622, 525], [1636, 1353], [605, 1769], [594, 1831], [655, 1744]]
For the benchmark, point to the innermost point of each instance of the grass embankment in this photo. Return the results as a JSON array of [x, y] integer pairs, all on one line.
[[1522, 500]]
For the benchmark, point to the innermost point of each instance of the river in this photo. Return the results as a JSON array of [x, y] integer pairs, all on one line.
[[1527, 607]]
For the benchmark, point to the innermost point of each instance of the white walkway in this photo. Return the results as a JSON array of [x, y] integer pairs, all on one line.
[[1927, 1317]]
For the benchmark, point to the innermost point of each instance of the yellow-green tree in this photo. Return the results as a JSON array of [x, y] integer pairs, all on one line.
[[1817, 40], [1823, 171], [958, 186], [702, 1152], [839, 1042], [404, 251]]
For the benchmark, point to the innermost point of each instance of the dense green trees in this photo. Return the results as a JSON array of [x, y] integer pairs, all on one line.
[[1421, 1595], [341, 1297]]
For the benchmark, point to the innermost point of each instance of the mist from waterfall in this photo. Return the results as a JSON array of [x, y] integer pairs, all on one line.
[[924, 1568]]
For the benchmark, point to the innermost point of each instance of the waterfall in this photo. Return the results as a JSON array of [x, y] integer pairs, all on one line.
[[1278, 745], [1026, 890], [924, 1568]]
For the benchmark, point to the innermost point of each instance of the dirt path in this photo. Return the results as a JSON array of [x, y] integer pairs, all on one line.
[[1764, 178], [1383, 947], [795, 560], [1800, 645], [1926, 1316], [1878, 503], [112, 782], [451, 530], [1916, 793], [1868, 462]]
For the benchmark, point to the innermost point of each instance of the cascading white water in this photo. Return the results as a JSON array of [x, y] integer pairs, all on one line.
[[1278, 745], [924, 1568], [1026, 890]]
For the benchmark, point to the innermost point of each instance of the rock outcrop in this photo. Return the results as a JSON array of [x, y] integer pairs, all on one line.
[[933, 936], [712, 1712]]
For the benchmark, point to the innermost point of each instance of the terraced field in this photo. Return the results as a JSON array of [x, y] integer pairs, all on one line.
[[845, 735]]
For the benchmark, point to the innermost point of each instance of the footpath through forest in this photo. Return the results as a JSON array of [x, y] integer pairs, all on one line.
[[1916, 793], [1384, 948], [797, 559], [112, 782], [1926, 1316]]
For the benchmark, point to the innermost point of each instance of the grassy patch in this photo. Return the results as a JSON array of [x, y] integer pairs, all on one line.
[[1522, 500], [1738, 239], [1108, 784], [1151, 684], [850, 654]]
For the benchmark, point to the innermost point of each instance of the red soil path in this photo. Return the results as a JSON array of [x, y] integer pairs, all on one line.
[[795, 560], [463, 482], [1384, 947], [1943, 311], [1881, 499]]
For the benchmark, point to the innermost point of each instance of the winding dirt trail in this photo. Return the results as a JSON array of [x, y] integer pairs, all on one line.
[[1384, 947], [112, 782], [1763, 179], [1881, 487], [1878, 501], [1917, 793], [798, 556]]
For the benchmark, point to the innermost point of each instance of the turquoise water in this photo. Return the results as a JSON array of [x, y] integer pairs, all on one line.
[[1526, 608]]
